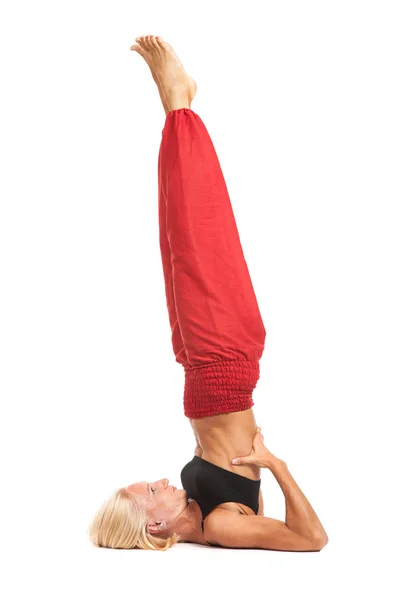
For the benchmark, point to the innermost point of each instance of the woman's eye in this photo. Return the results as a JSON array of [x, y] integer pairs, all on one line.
[[152, 489]]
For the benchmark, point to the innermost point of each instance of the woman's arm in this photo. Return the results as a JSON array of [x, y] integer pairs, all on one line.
[[301, 518], [302, 530], [300, 515], [233, 530]]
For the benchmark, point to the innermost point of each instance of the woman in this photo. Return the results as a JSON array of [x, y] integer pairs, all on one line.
[[218, 337]]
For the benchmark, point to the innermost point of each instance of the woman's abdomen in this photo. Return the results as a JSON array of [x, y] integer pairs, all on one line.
[[224, 436]]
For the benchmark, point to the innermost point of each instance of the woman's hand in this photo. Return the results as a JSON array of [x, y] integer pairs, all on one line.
[[259, 455]]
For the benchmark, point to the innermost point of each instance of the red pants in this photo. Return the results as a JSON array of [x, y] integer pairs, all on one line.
[[217, 331]]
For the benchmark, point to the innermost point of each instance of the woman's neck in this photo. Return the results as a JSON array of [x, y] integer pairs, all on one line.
[[188, 524]]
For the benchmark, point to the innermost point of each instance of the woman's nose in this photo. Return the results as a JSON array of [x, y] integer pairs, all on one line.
[[163, 482]]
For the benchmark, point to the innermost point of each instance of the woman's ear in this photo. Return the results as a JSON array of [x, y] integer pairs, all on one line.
[[155, 527]]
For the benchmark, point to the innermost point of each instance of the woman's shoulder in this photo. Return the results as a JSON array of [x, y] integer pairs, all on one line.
[[220, 517], [219, 513]]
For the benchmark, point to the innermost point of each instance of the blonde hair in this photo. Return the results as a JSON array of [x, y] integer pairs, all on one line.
[[121, 523]]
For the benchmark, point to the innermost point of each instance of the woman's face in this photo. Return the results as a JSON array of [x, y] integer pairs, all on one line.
[[164, 502]]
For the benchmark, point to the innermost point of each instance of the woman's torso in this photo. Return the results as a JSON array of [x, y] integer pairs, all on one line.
[[224, 436]]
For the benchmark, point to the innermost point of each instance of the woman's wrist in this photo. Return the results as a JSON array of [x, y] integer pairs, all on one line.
[[275, 464]]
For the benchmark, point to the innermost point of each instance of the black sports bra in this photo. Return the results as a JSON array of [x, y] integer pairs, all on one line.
[[211, 485]]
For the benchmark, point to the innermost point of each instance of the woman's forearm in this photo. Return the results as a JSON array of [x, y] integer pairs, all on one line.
[[300, 515]]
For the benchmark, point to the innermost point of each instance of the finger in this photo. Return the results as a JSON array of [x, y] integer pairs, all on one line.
[[258, 432], [240, 460]]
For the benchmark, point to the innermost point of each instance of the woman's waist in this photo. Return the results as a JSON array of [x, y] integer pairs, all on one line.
[[222, 437]]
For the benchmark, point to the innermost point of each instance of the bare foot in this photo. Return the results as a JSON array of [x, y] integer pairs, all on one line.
[[177, 89]]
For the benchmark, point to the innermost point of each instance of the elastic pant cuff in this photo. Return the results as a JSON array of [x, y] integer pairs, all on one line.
[[220, 387]]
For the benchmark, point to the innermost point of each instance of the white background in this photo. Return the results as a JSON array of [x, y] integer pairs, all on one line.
[[302, 102]]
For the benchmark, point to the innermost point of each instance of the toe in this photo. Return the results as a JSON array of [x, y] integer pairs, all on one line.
[[147, 42], [156, 46], [137, 48], [142, 41], [161, 42]]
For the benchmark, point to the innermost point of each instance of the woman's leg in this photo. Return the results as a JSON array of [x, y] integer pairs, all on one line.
[[177, 90], [217, 331], [221, 336], [177, 342]]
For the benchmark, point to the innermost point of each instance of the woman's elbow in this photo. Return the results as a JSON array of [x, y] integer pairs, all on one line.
[[319, 541]]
